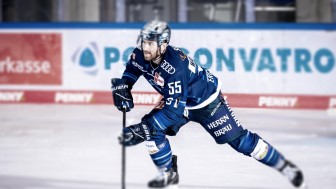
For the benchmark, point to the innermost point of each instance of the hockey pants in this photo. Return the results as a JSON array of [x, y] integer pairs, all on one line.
[[218, 119]]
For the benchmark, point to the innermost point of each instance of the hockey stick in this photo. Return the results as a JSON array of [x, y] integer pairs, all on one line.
[[123, 155]]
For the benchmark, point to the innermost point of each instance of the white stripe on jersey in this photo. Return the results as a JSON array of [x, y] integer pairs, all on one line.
[[209, 100]]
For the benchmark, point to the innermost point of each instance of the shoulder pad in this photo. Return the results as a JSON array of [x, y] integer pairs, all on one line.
[[136, 53]]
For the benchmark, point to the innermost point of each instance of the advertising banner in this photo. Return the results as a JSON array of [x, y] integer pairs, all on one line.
[[266, 68], [271, 62], [30, 59]]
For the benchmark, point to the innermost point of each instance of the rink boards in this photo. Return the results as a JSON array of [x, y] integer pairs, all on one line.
[[151, 98]]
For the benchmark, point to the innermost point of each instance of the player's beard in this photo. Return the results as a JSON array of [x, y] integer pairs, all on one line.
[[149, 56]]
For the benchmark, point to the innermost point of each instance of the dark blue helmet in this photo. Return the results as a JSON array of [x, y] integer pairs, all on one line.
[[156, 31]]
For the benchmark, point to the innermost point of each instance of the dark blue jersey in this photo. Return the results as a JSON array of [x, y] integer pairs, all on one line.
[[182, 83]]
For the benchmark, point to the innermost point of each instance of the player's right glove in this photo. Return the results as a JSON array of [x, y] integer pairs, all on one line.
[[135, 134], [122, 96]]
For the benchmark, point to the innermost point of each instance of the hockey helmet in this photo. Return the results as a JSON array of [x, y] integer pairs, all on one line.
[[155, 30]]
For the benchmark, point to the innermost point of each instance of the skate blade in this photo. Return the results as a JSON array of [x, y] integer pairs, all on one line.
[[174, 186]]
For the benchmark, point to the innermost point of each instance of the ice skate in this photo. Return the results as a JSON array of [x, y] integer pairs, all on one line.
[[294, 174], [168, 179]]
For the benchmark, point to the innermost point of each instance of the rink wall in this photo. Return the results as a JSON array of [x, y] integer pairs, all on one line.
[[260, 65]]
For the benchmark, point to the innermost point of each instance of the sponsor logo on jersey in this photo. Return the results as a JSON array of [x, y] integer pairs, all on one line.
[[158, 79], [192, 65], [215, 109], [138, 66], [167, 67], [209, 75]]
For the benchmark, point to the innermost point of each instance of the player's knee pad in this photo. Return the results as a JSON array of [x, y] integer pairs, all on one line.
[[266, 153], [160, 153], [253, 145], [260, 150]]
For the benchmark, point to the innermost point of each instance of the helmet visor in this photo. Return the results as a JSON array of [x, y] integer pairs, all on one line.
[[149, 37]]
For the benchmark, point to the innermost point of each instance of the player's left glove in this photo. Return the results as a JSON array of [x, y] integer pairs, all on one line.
[[135, 134], [122, 95]]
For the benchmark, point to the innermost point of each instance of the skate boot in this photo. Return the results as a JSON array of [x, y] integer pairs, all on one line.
[[167, 178], [293, 173]]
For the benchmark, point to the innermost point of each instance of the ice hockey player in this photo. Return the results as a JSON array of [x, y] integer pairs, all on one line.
[[190, 93]]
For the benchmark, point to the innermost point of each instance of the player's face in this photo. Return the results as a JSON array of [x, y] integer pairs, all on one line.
[[150, 49]]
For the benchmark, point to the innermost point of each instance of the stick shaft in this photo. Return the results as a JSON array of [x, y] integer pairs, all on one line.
[[123, 156]]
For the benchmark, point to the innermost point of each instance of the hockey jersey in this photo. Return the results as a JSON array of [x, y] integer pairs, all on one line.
[[182, 83]]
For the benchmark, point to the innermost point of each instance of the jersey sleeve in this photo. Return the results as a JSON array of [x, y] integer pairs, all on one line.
[[133, 69]]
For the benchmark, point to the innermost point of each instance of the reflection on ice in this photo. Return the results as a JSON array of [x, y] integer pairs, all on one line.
[[75, 147]]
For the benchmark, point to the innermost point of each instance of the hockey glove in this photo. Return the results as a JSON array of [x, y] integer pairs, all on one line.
[[122, 96], [135, 134]]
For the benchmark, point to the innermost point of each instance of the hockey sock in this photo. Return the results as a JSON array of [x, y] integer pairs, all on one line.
[[251, 144]]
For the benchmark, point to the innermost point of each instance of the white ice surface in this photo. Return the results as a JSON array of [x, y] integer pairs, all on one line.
[[75, 147]]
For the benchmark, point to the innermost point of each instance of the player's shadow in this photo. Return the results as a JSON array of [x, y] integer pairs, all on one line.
[[20, 182]]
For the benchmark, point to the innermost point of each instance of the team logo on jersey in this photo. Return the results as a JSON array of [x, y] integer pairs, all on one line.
[[167, 67], [158, 79], [183, 57]]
